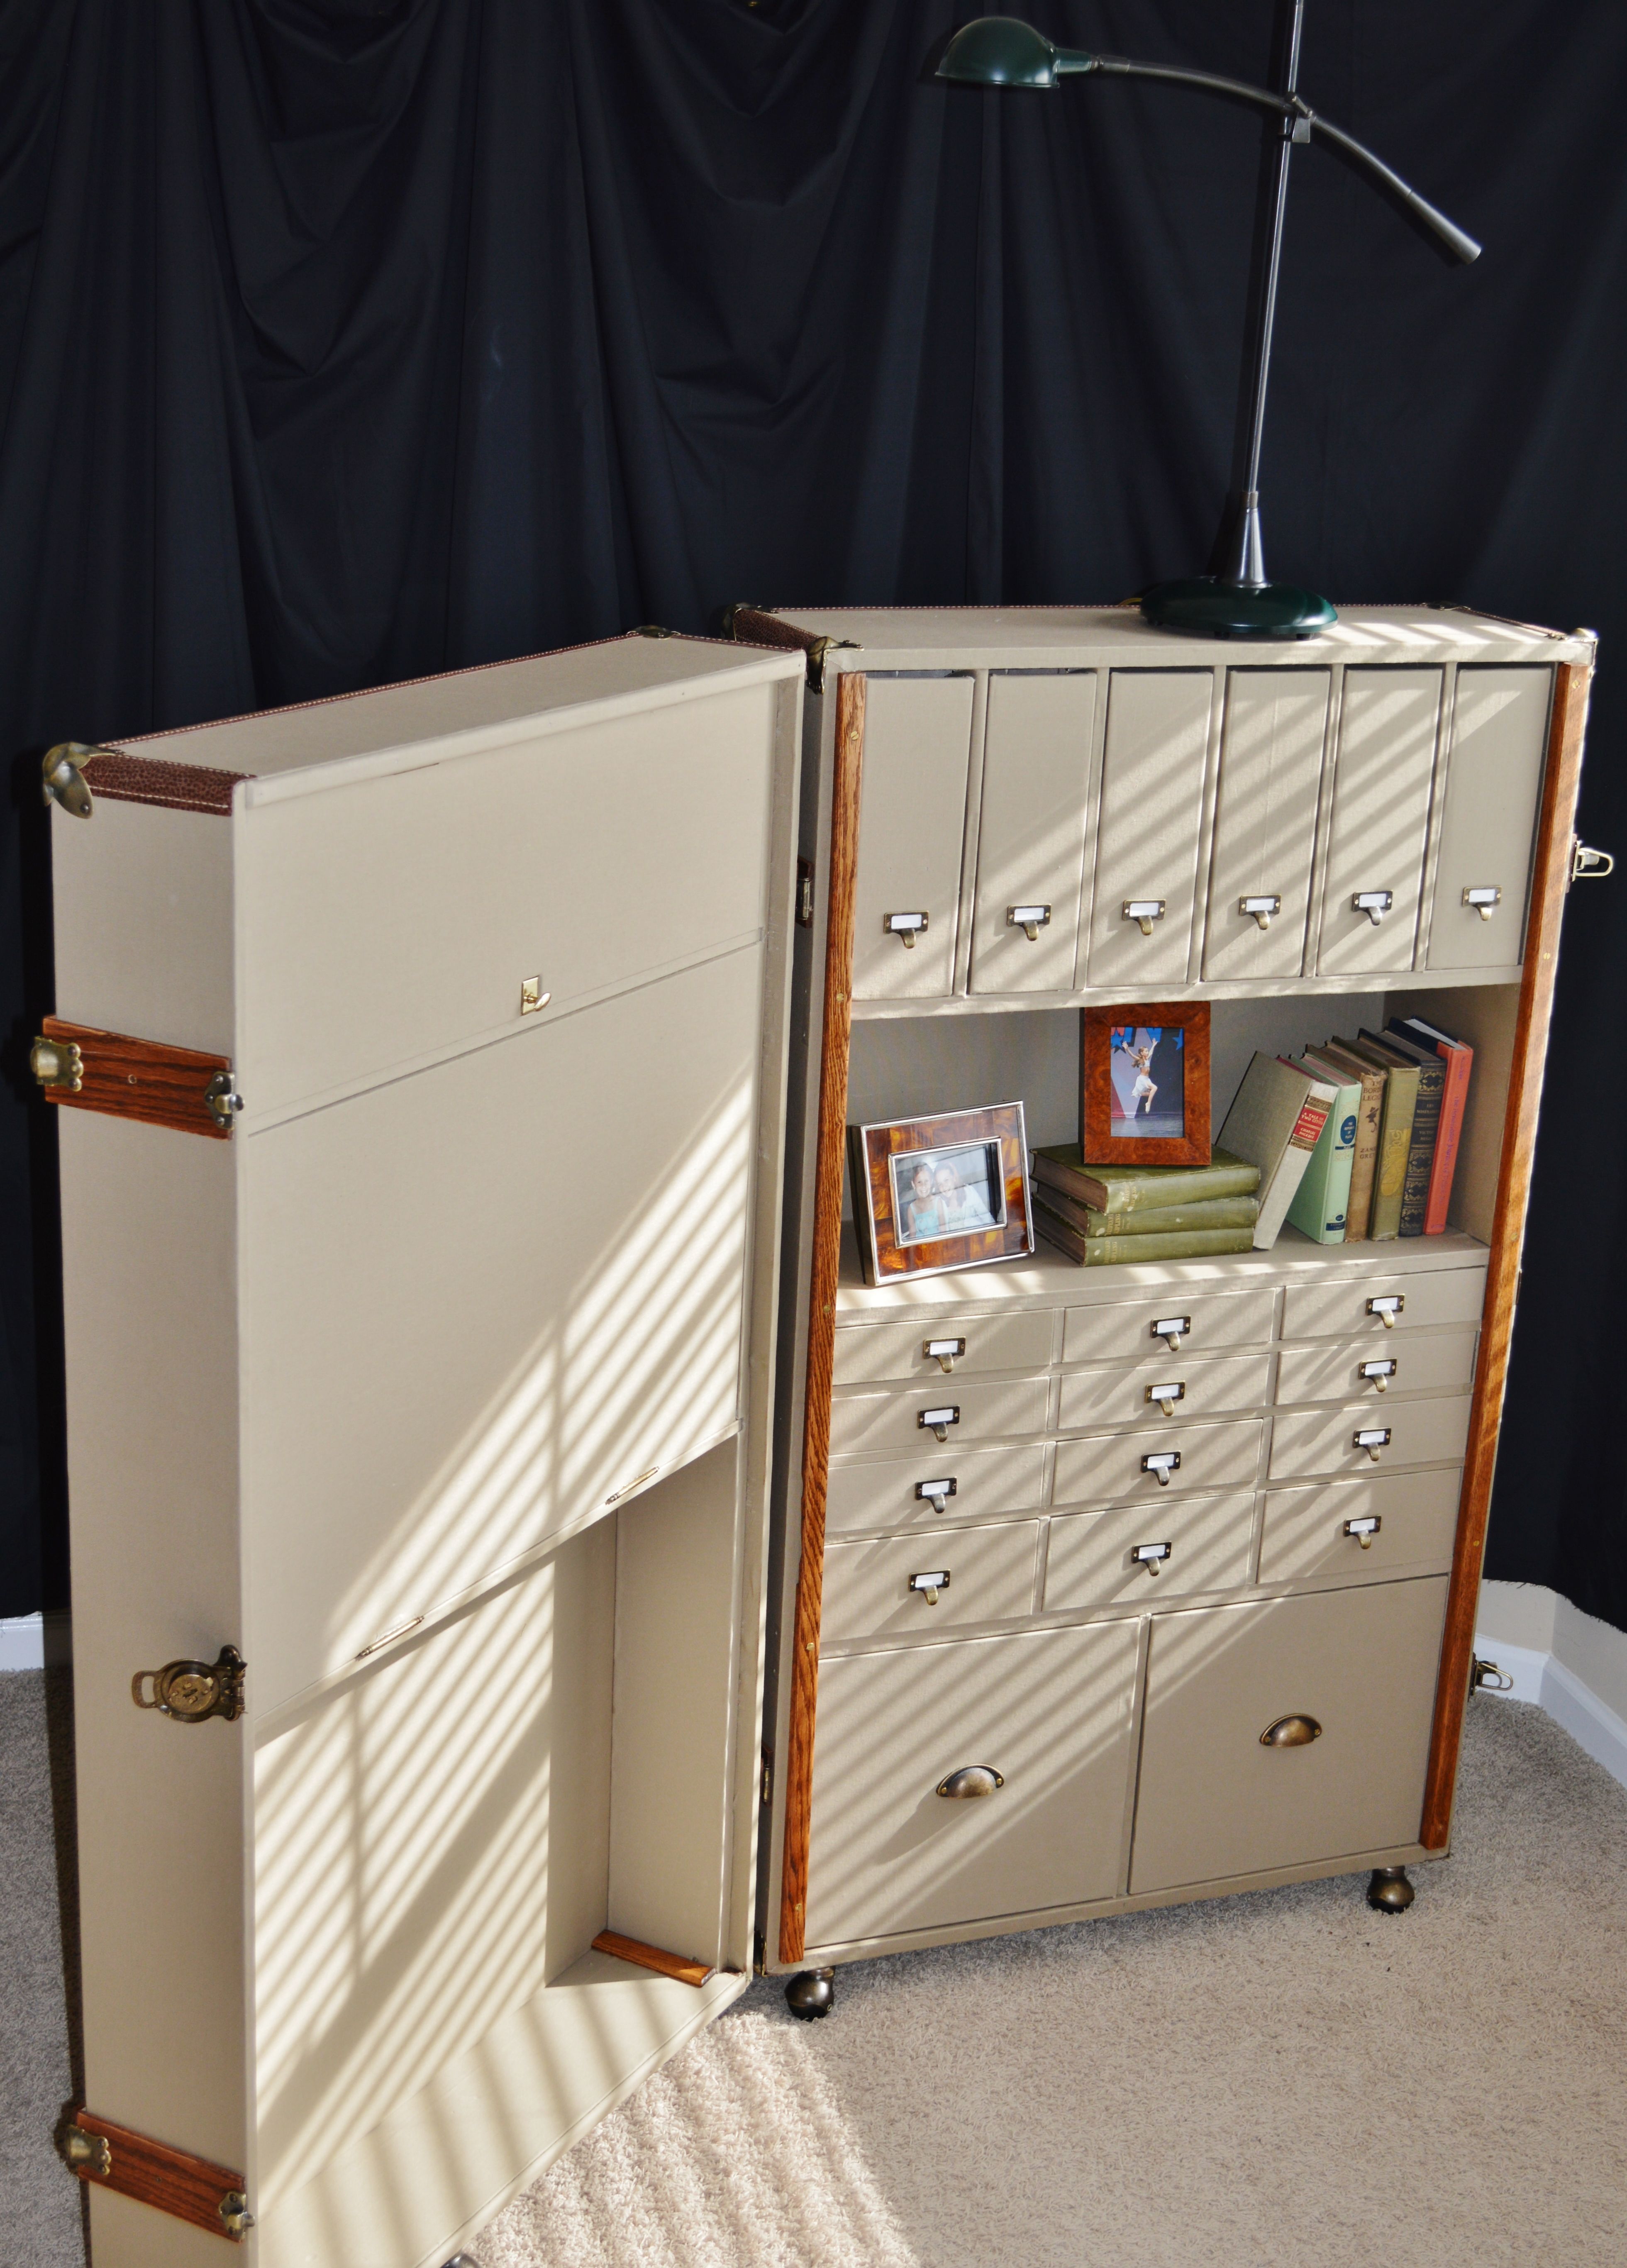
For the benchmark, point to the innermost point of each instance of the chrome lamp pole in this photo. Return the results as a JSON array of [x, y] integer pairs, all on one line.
[[1236, 602]]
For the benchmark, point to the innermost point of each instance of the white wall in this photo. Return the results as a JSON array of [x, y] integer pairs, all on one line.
[[1573, 1665]]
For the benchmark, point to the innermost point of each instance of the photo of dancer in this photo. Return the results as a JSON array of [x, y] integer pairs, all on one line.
[[1147, 1070]]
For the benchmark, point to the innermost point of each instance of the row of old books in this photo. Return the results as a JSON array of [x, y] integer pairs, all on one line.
[[1352, 1141]]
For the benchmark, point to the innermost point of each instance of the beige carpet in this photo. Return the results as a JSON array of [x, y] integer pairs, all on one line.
[[1287, 2078]]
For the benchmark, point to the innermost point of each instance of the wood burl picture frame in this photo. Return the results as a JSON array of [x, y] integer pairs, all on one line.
[[939, 1193], [1144, 1079]]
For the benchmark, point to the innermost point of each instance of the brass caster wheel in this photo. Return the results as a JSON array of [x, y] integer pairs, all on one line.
[[1389, 1891], [812, 1993]]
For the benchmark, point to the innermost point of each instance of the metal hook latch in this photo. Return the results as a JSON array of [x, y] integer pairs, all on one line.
[[938, 1421], [1372, 1439], [61, 780], [1588, 864], [1379, 1375], [1029, 919], [1375, 904], [943, 1352], [1485, 902], [1364, 1528], [223, 1099], [190, 1691], [1172, 1329], [1386, 1307], [1151, 1556], [938, 1492], [905, 927], [929, 1586], [1143, 912], [1160, 1464], [1262, 908]]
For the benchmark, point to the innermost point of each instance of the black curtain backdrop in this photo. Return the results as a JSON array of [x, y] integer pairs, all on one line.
[[348, 339]]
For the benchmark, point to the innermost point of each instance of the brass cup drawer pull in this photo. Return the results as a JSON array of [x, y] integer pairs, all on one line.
[[970, 1781], [938, 1492], [1372, 1439], [905, 927], [1364, 1528], [1143, 912], [1029, 919], [1378, 1375], [929, 1586], [1261, 909], [1484, 902], [1172, 1329], [938, 1422], [1375, 904], [1386, 1307], [1295, 1732], [1151, 1556], [1167, 1395], [1161, 1463], [192, 1691], [945, 1352]]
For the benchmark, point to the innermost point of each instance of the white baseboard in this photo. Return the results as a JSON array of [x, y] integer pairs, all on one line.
[[1538, 1677], [35, 1642]]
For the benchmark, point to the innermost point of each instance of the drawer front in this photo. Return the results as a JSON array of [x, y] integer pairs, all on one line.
[[1031, 842], [1307, 1530], [1381, 784], [1494, 776], [1344, 1310], [1146, 850], [1049, 1710], [1103, 1468], [1136, 1397], [1214, 1801], [884, 1588], [1127, 1330], [1436, 1362], [897, 1425], [901, 1492], [1324, 1440], [1203, 1544], [1266, 821], [866, 1353], [911, 825]]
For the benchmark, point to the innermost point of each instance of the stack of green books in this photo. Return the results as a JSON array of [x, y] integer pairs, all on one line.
[[1106, 1215]]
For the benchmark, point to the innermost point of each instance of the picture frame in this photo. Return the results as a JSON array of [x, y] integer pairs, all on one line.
[[1144, 1081], [943, 1192]]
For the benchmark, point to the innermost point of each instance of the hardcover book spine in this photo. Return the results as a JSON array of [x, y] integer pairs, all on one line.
[[1118, 1251], [1421, 1148], [1322, 1199], [1157, 1220], [1395, 1142], [1365, 1162]]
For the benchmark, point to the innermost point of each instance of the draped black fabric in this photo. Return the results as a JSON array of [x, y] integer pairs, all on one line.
[[348, 339]]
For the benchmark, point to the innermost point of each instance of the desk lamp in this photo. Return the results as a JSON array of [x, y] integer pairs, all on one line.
[[1237, 602]]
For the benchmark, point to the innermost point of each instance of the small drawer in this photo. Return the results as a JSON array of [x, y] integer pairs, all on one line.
[[1104, 1468], [1206, 1323], [1355, 1306], [933, 1492], [929, 1584], [1438, 1362], [1408, 1521], [866, 1353], [1143, 1554], [1350, 1440], [917, 1418], [1173, 1389]]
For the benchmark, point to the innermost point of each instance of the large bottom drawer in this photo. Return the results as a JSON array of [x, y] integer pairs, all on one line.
[[1049, 1711], [1217, 1800]]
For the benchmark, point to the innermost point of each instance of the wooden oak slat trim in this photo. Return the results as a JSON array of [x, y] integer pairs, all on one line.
[[1549, 883], [174, 2181], [140, 1078], [826, 1262], [652, 1956], [122, 778]]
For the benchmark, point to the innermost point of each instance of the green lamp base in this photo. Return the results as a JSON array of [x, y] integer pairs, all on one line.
[[1202, 606]]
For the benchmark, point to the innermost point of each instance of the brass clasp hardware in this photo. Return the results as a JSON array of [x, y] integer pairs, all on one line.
[[1262, 908], [61, 780], [1029, 919], [533, 998], [936, 1493], [1143, 912], [1378, 1375], [905, 927], [57, 1063], [1365, 1529], [1151, 1556], [1295, 1732], [930, 1585], [1486, 1678], [943, 1352], [235, 2217], [1168, 1395], [191, 1691], [91, 2154], [1375, 904], [1588, 864], [970, 1781], [1386, 1307], [628, 1487], [938, 1422], [1372, 1439], [1160, 1464], [221, 1098], [1172, 1329], [1485, 902]]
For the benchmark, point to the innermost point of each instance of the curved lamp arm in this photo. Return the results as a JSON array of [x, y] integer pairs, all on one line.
[[999, 51]]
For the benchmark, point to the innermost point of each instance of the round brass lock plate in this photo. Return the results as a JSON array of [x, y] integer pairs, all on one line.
[[188, 1693]]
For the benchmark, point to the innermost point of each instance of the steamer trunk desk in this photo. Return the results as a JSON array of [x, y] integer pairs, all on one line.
[[421, 1065], [1398, 794]]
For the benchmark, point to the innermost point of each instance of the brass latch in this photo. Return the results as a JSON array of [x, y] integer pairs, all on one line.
[[61, 780], [1486, 1678], [1375, 904], [190, 1691], [221, 1098], [533, 998], [57, 1063], [1029, 919], [92, 2152], [1588, 864], [1143, 912], [905, 927], [1262, 908]]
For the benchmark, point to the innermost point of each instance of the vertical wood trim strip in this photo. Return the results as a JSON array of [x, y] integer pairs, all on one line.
[[1550, 881], [826, 1262]]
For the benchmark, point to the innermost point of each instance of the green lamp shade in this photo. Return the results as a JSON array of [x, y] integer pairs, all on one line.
[[999, 51]]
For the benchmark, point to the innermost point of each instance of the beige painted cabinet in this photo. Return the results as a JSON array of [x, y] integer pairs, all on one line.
[[428, 1368], [1104, 1586]]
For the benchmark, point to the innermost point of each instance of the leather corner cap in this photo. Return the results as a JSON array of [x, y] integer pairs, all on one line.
[[124, 778]]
